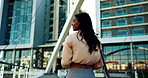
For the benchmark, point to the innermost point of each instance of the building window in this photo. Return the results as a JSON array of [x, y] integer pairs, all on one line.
[[121, 21], [137, 31], [121, 11], [107, 34], [136, 1], [105, 4], [121, 54], [137, 9], [106, 23], [120, 2], [105, 14], [137, 20], [8, 55], [22, 15], [122, 32]]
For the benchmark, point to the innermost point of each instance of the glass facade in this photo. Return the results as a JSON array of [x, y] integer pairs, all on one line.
[[8, 56], [121, 11], [136, 9], [62, 15], [124, 32], [106, 23], [106, 34], [51, 16], [118, 56], [20, 21], [113, 16], [138, 31], [135, 1], [105, 4], [138, 19], [20, 57], [121, 21], [25, 58], [120, 2], [106, 14]]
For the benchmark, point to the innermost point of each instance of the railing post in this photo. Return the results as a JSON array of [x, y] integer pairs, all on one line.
[[19, 74], [14, 71], [2, 71], [62, 36], [136, 74], [26, 72]]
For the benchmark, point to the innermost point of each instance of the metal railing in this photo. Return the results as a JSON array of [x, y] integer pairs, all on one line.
[[18, 71]]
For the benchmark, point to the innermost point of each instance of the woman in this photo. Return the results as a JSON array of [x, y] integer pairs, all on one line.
[[81, 50]]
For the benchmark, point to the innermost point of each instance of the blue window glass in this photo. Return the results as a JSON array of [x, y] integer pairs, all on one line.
[[25, 53], [121, 21], [8, 55], [22, 13], [137, 9], [106, 34], [138, 31], [106, 23], [122, 32], [121, 11], [120, 2], [105, 14], [105, 4], [136, 1], [108, 49], [137, 20]]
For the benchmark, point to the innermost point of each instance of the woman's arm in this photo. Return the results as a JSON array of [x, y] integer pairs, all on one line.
[[67, 53]]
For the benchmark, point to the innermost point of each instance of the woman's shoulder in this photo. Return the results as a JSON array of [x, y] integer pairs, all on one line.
[[70, 37], [73, 34]]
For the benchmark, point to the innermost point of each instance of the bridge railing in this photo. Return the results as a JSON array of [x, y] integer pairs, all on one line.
[[17, 71]]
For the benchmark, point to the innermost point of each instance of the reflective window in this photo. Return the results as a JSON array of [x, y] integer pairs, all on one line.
[[105, 4], [137, 20], [121, 21], [137, 9], [136, 1], [25, 58], [121, 11], [105, 14], [120, 2], [106, 23], [8, 56], [22, 14], [122, 32], [137, 31], [17, 57], [107, 34], [120, 54]]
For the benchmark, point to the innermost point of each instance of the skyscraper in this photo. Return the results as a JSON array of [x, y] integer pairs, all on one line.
[[123, 32], [29, 30]]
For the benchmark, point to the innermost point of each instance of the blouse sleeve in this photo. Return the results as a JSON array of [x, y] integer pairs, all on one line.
[[99, 64], [67, 53]]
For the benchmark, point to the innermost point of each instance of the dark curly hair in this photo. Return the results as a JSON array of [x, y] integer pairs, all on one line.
[[87, 32]]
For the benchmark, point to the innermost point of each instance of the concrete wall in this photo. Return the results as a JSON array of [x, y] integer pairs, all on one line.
[[37, 28]]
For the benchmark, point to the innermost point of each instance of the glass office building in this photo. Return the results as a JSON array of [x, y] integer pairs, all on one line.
[[28, 34], [123, 29]]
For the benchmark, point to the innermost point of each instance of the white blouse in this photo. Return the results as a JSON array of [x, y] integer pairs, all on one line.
[[76, 51]]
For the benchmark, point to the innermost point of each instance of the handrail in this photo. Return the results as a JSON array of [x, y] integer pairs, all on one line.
[[12, 64], [62, 36]]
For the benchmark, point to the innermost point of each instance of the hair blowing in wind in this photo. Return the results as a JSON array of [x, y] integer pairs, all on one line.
[[87, 31]]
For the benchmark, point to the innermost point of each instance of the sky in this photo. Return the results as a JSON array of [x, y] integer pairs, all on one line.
[[90, 7]]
